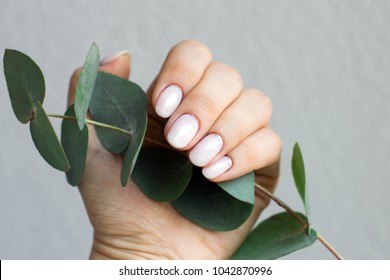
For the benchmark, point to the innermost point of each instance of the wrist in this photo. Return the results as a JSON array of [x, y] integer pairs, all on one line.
[[109, 247]]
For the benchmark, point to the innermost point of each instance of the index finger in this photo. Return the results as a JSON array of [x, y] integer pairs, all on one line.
[[181, 72]]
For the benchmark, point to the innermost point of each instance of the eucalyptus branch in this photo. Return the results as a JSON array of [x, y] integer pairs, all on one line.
[[295, 215], [89, 121]]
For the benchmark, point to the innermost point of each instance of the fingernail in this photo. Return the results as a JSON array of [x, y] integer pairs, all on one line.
[[206, 149], [111, 58], [217, 168], [168, 101], [183, 131]]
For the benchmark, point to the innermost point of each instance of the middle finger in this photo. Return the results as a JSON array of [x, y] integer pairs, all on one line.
[[201, 107]]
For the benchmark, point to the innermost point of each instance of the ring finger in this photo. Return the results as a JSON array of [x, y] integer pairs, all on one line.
[[248, 113]]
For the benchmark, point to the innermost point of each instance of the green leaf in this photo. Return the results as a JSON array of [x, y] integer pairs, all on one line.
[[46, 141], [121, 103], [298, 170], [131, 154], [171, 173], [75, 143], [242, 188], [25, 82], [275, 237], [86, 84], [210, 206]]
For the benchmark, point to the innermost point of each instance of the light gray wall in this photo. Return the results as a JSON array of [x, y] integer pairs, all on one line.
[[325, 65]]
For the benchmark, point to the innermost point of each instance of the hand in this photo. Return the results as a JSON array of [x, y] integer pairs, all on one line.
[[226, 132]]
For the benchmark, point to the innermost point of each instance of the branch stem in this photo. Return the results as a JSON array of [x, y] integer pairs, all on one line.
[[88, 121], [295, 215], [329, 247]]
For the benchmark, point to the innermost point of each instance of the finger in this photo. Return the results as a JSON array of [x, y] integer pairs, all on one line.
[[260, 150], [248, 113], [219, 87], [118, 64], [182, 70]]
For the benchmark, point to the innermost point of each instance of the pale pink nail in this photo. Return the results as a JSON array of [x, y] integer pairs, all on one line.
[[217, 168], [111, 58], [168, 101], [183, 131], [206, 149]]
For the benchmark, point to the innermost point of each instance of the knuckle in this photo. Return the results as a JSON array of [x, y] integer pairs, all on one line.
[[248, 155], [275, 139], [205, 103], [195, 45], [182, 73], [259, 97], [231, 75]]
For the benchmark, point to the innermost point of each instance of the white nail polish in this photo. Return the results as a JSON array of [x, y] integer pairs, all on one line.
[[206, 149], [168, 101], [217, 168], [183, 131], [111, 58]]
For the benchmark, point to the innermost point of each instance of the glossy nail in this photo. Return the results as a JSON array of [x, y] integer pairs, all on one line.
[[206, 149], [183, 131], [111, 58], [168, 101], [217, 168]]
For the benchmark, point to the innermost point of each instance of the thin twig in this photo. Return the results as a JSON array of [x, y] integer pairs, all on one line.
[[330, 248], [295, 215], [88, 121], [281, 204]]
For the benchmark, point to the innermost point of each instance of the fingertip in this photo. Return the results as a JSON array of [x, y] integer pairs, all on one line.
[[72, 85], [117, 64]]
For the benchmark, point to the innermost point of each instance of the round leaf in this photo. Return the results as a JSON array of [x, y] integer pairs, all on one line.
[[46, 141], [25, 82], [121, 103], [275, 237], [242, 188], [208, 205], [171, 173], [75, 143]]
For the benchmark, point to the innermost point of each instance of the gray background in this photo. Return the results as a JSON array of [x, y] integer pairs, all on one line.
[[324, 64]]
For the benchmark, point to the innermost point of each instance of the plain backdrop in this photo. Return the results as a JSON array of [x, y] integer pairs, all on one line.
[[324, 64]]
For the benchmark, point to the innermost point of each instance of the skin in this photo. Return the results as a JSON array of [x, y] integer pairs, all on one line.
[[129, 225]]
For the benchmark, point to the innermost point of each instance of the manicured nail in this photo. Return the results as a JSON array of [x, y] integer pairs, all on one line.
[[206, 149], [217, 168], [183, 131], [168, 101], [111, 58]]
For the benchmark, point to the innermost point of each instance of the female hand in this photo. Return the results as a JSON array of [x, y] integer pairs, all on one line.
[[199, 106]]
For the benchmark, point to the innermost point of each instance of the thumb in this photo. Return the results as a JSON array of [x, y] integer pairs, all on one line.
[[118, 64]]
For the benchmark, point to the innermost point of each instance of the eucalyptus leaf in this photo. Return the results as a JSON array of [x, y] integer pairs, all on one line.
[[298, 170], [46, 140], [25, 82], [275, 237], [120, 103], [131, 154], [242, 188], [162, 174], [209, 205], [86, 84], [75, 143]]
